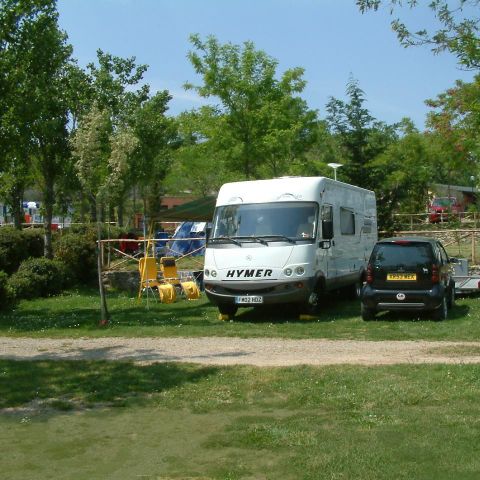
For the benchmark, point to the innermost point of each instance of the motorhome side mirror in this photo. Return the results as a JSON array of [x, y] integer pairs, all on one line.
[[208, 231], [325, 244], [327, 229]]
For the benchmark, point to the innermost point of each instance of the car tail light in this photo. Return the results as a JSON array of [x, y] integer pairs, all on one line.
[[402, 242], [369, 273], [435, 274]]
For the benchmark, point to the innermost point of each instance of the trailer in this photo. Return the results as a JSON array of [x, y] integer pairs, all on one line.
[[466, 281]]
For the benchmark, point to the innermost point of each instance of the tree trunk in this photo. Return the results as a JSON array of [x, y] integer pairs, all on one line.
[[120, 213], [93, 210], [104, 315], [47, 222], [16, 198]]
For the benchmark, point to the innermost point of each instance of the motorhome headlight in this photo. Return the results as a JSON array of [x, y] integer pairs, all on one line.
[[213, 273], [288, 272], [206, 272], [299, 270]]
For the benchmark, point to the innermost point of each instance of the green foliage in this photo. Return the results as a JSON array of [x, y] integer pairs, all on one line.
[[77, 251], [360, 137], [157, 139], [34, 241], [458, 27], [454, 123], [18, 245], [13, 249], [261, 124], [38, 277], [402, 175], [7, 296]]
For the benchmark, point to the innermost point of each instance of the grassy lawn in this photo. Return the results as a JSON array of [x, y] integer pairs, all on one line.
[[76, 313], [84, 420]]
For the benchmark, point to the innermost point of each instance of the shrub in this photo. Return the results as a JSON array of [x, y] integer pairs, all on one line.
[[78, 253], [34, 241], [13, 249], [7, 297], [38, 277]]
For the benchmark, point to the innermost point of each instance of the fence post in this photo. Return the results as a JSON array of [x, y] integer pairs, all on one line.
[[473, 248]]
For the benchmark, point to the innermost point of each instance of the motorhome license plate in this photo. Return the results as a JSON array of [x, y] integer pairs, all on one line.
[[249, 299], [401, 276]]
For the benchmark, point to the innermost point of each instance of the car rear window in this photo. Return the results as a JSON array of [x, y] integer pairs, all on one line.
[[405, 254]]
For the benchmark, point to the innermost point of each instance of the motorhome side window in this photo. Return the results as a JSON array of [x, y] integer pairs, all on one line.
[[327, 222], [347, 222]]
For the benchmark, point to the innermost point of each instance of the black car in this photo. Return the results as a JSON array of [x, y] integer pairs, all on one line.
[[408, 273]]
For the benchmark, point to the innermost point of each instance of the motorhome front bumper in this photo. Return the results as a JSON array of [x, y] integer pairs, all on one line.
[[285, 292]]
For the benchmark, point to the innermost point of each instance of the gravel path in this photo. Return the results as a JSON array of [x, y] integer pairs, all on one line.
[[239, 351]]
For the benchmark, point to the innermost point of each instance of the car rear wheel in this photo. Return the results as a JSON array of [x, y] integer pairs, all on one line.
[[451, 297], [441, 312], [367, 313]]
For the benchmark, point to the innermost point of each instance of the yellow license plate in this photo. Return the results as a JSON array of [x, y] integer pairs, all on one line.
[[401, 276]]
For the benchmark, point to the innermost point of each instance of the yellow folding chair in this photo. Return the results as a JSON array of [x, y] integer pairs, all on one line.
[[168, 268], [148, 276]]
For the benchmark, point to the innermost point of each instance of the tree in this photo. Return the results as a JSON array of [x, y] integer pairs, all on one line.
[[108, 85], [101, 156], [402, 174], [458, 33], [360, 137], [157, 135], [325, 149], [259, 116], [454, 122], [34, 56], [200, 164]]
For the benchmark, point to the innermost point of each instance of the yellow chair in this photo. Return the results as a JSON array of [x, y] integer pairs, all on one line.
[[149, 281], [167, 293], [168, 268], [148, 275]]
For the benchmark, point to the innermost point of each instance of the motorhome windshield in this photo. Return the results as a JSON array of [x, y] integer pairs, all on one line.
[[287, 220]]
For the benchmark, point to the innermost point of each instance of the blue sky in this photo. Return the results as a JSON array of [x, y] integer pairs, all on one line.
[[330, 39]]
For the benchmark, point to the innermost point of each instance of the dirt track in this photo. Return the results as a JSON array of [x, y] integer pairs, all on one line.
[[237, 351]]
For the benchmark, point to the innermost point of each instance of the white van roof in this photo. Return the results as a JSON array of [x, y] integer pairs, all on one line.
[[306, 189]]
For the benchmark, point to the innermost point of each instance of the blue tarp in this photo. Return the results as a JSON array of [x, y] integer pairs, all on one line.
[[193, 230]]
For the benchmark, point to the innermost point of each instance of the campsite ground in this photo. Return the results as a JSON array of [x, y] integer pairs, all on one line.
[[139, 417]]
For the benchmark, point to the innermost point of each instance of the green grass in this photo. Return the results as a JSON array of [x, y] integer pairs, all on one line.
[[83, 420], [76, 314]]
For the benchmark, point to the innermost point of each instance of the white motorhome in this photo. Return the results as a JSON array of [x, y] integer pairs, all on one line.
[[287, 240]]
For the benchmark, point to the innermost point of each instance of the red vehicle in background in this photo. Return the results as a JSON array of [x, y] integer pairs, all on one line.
[[441, 208]]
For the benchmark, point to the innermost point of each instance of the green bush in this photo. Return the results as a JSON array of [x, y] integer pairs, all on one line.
[[78, 252], [34, 241], [7, 297], [13, 249], [38, 277]]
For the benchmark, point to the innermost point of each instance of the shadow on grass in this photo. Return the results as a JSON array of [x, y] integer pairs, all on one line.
[[456, 313], [79, 311], [66, 385], [84, 314], [333, 306]]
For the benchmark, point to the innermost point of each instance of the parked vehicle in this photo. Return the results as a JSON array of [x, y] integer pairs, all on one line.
[[408, 273], [287, 240], [441, 208]]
